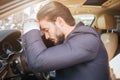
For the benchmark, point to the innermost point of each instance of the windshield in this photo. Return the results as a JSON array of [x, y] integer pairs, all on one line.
[[15, 20]]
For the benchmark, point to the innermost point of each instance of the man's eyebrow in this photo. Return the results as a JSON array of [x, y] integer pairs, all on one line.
[[43, 29]]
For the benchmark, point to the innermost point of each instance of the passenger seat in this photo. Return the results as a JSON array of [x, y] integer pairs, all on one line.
[[110, 38]]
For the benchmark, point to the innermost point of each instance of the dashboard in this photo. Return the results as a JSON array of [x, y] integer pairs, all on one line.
[[9, 47]]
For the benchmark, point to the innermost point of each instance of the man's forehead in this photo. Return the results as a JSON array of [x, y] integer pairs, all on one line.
[[44, 26]]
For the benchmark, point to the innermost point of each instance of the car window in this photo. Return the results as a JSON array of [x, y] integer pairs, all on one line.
[[117, 17], [87, 19]]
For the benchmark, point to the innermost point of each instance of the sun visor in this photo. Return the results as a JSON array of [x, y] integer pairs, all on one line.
[[106, 21]]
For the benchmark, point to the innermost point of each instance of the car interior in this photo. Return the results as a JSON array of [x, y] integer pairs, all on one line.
[[103, 15]]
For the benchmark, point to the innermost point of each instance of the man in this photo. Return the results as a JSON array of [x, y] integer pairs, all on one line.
[[79, 53]]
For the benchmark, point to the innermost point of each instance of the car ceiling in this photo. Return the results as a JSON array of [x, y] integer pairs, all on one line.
[[8, 7]]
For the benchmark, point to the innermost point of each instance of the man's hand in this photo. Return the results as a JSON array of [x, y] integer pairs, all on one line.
[[30, 25]]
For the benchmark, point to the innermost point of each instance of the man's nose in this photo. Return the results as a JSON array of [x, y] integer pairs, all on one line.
[[46, 36]]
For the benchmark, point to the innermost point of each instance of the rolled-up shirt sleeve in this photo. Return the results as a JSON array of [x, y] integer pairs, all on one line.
[[77, 49]]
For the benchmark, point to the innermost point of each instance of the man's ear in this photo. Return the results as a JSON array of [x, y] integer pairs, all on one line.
[[60, 22]]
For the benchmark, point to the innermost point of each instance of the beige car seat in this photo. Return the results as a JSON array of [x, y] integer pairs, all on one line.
[[110, 39]]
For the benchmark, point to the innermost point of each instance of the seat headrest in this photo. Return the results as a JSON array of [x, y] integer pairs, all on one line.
[[106, 21]]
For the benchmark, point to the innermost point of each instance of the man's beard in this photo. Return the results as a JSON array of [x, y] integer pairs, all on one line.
[[60, 39]]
